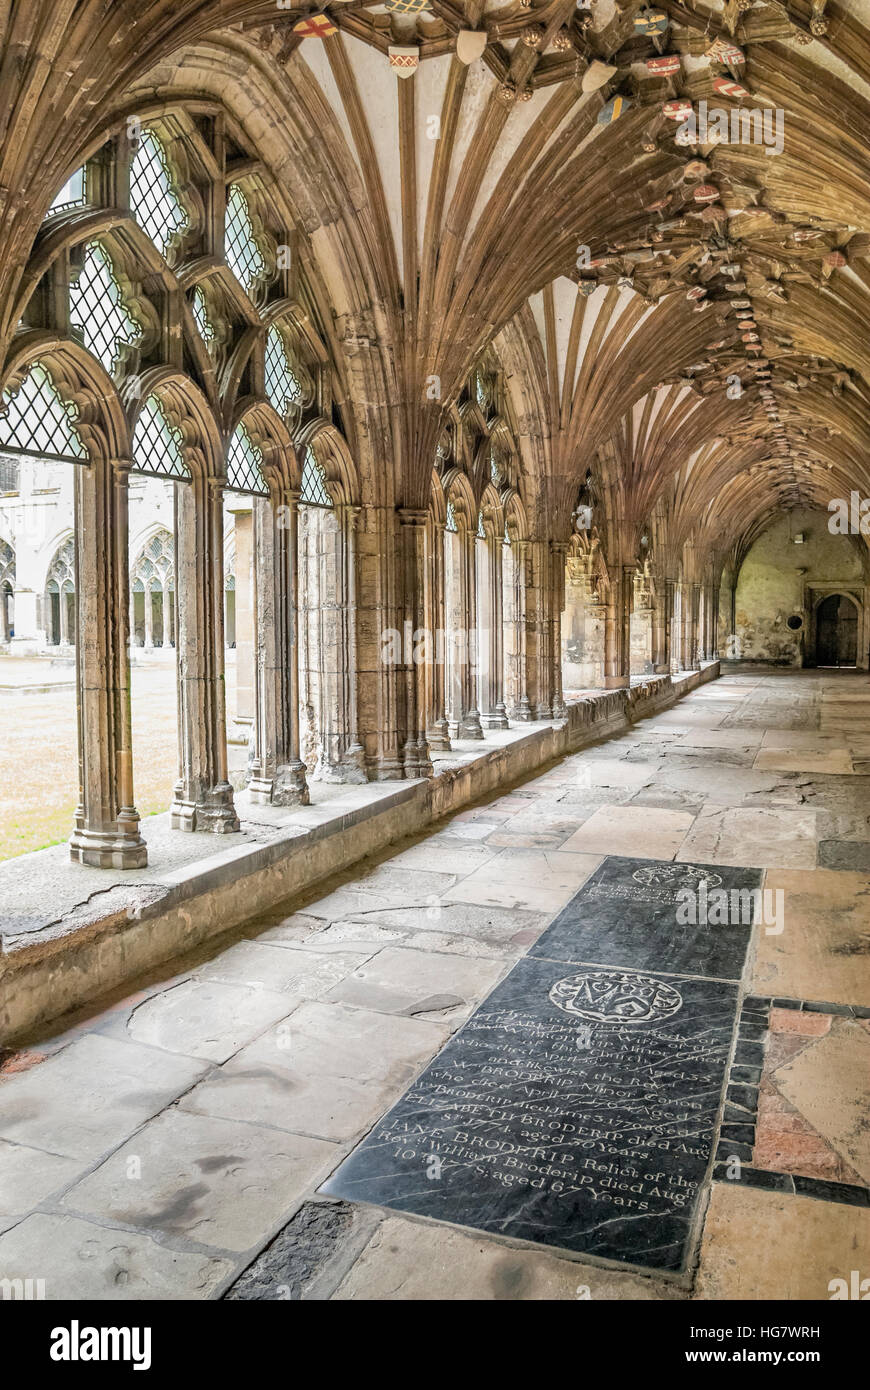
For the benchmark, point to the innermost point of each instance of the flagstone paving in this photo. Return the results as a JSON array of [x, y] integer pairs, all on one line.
[[174, 1144]]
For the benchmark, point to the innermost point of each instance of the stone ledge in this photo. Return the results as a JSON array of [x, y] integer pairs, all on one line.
[[116, 933]]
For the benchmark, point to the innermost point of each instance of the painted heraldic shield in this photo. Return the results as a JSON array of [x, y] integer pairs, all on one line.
[[315, 26], [470, 44], [404, 59]]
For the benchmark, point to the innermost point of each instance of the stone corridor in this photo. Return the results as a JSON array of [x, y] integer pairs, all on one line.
[[172, 1144]]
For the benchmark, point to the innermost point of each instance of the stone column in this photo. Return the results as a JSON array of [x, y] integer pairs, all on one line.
[[380, 616], [203, 795], [514, 564], [245, 620], [437, 732], [344, 760], [558, 554], [488, 568], [462, 715], [661, 627], [689, 609], [617, 629], [277, 772], [538, 631], [106, 834], [675, 644], [416, 759]]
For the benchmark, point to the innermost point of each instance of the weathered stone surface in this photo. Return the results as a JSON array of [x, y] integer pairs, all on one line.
[[92, 1095], [299, 1263], [407, 1260], [218, 1182], [80, 1260], [771, 1245]]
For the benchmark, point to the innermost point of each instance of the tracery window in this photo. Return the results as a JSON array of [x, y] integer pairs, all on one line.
[[199, 309], [244, 465], [97, 309], [481, 530], [154, 197], [35, 420], [156, 564], [9, 475], [158, 445], [244, 256], [72, 194], [283, 386], [314, 491], [450, 524], [7, 565]]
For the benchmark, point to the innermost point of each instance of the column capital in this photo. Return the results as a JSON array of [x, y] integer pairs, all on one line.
[[413, 516]]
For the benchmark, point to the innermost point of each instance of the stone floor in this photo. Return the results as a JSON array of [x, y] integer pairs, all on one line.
[[172, 1145]]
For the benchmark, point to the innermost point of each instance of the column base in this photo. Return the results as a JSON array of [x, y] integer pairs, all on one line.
[[469, 726], [522, 712], [107, 849], [216, 815], [495, 719], [288, 787], [438, 737], [417, 762], [350, 767], [543, 711]]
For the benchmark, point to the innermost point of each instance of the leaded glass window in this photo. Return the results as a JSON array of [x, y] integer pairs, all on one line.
[[199, 309], [98, 310], [155, 567], [314, 492], [34, 420], [244, 465], [62, 573], [158, 445], [9, 475], [154, 198], [244, 257], [7, 565], [283, 387], [481, 531], [506, 539], [450, 524], [72, 195]]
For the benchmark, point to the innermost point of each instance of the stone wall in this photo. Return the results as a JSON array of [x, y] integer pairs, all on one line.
[[781, 579]]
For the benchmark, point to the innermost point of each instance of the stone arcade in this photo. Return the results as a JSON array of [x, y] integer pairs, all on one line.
[[434, 649]]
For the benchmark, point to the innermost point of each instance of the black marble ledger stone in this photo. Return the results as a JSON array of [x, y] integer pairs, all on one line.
[[576, 1108], [630, 912]]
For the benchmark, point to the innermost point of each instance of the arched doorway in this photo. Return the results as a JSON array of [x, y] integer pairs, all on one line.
[[836, 631]]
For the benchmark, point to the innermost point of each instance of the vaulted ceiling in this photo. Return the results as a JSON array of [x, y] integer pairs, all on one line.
[[682, 324]]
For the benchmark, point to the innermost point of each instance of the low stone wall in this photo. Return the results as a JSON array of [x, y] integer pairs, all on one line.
[[116, 936]]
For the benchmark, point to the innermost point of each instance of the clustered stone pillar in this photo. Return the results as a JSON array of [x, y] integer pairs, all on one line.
[[490, 635], [437, 732], [277, 771], [514, 569], [617, 629], [463, 717], [106, 833], [203, 795], [412, 534]]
